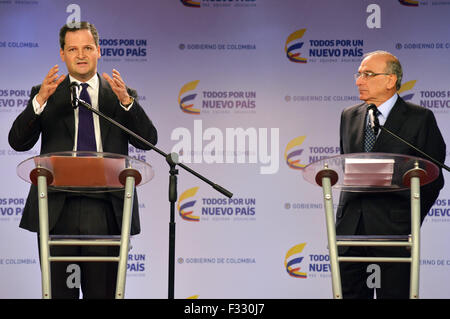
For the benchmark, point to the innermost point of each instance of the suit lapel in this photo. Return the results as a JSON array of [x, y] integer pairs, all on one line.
[[106, 104], [62, 99], [357, 136]]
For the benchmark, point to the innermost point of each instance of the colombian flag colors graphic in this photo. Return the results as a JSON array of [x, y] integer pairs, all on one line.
[[292, 153], [291, 48], [191, 3], [292, 261], [185, 205], [188, 108]]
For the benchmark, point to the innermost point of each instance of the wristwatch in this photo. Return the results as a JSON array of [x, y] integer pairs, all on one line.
[[132, 100]]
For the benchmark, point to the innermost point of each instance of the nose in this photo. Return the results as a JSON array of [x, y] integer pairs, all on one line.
[[80, 53], [358, 81]]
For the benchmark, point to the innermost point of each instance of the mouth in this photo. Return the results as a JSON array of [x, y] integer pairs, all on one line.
[[362, 91]]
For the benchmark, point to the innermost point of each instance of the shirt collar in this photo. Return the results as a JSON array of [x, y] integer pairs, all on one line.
[[93, 82], [386, 107]]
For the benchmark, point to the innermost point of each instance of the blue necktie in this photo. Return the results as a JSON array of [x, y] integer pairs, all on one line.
[[86, 133], [369, 135]]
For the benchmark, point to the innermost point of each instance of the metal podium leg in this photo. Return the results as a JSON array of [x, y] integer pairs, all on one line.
[[125, 237], [415, 237], [44, 236], [331, 231]]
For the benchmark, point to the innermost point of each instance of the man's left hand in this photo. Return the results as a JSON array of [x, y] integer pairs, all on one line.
[[118, 86]]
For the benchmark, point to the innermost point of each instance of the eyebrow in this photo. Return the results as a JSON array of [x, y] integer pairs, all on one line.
[[83, 46], [368, 71]]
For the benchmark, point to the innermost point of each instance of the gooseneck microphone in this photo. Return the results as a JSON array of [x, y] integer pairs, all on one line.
[[75, 93]]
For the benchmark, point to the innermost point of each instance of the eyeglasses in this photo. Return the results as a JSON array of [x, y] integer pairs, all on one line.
[[368, 75]]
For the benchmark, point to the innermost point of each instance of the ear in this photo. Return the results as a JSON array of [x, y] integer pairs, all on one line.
[[99, 52], [392, 83], [61, 54]]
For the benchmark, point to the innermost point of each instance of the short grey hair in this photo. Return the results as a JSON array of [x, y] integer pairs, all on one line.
[[393, 66]]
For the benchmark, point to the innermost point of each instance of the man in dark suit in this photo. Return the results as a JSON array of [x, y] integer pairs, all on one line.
[[378, 79], [50, 116]]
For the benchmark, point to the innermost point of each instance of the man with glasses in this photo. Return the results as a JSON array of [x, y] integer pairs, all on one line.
[[378, 80]]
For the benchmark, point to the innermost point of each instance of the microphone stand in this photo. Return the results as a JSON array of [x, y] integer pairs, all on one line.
[[172, 160], [441, 165]]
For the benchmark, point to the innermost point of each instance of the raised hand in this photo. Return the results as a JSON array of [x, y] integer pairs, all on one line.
[[49, 85], [118, 86]]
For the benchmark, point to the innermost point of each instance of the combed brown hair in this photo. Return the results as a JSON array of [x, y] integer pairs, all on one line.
[[78, 26]]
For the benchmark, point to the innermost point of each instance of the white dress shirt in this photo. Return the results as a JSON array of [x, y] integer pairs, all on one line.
[[384, 109]]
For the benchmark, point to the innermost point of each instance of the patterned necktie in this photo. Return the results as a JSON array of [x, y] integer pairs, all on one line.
[[369, 134], [86, 134]]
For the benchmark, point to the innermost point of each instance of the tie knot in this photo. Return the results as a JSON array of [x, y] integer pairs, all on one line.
[[374, 109], [84, 85]]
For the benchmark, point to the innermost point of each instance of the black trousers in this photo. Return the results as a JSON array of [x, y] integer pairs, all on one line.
[[84, 216], [357, 278]]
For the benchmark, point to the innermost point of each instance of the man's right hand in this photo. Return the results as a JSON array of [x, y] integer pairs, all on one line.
[[49, 85]]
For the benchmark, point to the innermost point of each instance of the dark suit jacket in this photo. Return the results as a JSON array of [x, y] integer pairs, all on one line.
[[56, 127], [389, 212]]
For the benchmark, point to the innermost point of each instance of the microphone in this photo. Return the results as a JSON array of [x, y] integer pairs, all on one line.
[[373, 120], [75, 93]]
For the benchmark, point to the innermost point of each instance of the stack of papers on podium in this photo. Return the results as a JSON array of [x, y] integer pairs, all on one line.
[[368, 172]]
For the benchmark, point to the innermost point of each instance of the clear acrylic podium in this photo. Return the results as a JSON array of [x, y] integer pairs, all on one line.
[[84, 172], [372, 172]]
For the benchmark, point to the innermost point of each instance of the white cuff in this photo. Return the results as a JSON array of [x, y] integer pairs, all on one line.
[[38, 109], [127, 108]]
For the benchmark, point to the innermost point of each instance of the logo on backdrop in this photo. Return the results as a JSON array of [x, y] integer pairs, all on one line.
[[236, 261], [293, 151], [13, 99], [185, 205], [440, 212], [194, 101], [423, 3], [321, 99], [130, 50], [191, 3], [15, 261], [137, 153], [407, 86], [236, 209], [186, 102], [296, 152], [409, 3], [218, 3], [11, 208], [437, 100], [300, 50], [136, 264], [293, 45], [293, 260], [19, 45], [299, 264]]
